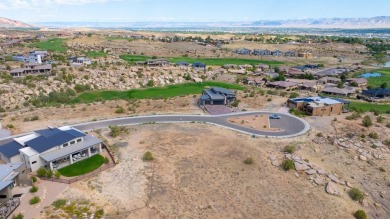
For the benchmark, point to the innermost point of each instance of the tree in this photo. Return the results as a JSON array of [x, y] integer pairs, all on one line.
[[384, 85], [150, 83], [354, 84], [380, 58], [280, 77]]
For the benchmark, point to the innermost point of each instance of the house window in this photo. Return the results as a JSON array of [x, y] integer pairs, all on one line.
[[78, 140], [331, 109], [34, 162], [72, 142], [3, 196], [65, 145]]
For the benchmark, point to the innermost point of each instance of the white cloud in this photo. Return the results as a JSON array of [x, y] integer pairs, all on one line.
[[34, 4]]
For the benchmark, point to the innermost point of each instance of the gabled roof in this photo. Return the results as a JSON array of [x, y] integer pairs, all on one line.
[[223, 90], [52, 137], [10, 149]]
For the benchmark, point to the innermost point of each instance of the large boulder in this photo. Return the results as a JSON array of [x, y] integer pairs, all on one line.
[[332, 189]]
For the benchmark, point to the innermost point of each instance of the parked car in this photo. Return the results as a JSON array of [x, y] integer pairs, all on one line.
[[274, 116]]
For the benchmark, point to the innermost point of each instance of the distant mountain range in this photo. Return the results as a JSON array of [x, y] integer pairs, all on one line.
[[8, 23], [344, 23], [374, 22]]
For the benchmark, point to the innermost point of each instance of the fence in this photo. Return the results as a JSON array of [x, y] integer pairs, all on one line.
[[78, 178], [8, 207]]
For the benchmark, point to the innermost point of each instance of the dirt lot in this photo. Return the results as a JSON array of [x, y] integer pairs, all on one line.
[[195, 176], [260, 122]]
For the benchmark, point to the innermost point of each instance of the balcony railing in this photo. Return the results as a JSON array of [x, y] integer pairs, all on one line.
[[8, 207]]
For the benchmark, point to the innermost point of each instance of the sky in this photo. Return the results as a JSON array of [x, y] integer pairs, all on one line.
[[32, 11]]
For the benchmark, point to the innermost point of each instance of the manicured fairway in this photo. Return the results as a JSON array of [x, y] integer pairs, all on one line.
[[150, 93]]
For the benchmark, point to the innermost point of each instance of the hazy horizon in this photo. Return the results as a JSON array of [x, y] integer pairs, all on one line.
[[34, 11]]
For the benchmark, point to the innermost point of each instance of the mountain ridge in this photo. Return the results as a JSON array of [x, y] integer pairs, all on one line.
[[9, 23]]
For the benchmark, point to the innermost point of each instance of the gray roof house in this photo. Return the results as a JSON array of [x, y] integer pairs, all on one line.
[[31, 69], [290, 53], [217, 96], [276, 53], [260, 52], [51, 148], [243, 51]]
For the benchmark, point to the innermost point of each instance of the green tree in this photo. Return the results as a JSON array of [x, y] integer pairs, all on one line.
[[384, 85]]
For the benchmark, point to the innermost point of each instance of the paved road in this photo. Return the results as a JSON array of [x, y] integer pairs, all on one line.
[[291, 125]]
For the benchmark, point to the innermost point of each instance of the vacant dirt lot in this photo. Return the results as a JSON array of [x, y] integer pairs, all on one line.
[[198, 172]]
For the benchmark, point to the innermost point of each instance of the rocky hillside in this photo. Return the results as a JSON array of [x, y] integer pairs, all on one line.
[[5, 22]]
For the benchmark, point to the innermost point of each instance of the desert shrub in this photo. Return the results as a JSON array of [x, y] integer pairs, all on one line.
[[150, 83], [49, 173], [380, 119], [99, 213], [294, 95], [10, 126], [269, 99], [288, 165], [18, 216], [388, 125], [319, 134], [373, 135], [120, 110], [289, 149], [35, 200], [41, 172], [360, 214], [34, 179], [148, 156], [367, 121], [57, 174], [106, 160], [34, 118], [249, 160], [115, 131], [58, 203], [387, 142], [356, 194], [353, 116], [235, 103], [33, 189]]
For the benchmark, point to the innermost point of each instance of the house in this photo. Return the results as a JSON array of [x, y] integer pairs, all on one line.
[[260, 52], [9, 44], [311, 86], [290, 53], [199, 65], [79, 60], [263, 67], [361, 82], [185, 64], [52, 148], [154, 62], [331, 72], [276, 53], [217, 96], [11, 175], [254, 81], [306, 55], [31, 69], [348, 91], [230, 66], [318, 106], [287, 85], [19, 58], [377, 93], [38, 56], [243, 51], [326, 80]]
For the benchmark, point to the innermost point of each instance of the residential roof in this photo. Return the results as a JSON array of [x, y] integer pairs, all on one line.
[[88, 142], [52, 137], [213, 95], [319, 100], [377, 92], [4, 184], [358, 80], [223, 90], [10, 149], [283, 83], [337, 90]]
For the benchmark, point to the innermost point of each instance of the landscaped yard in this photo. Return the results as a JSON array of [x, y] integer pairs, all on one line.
[[369, 107], [54, 44], [149, 93], [377, 81], [82, 167], [208, 61]]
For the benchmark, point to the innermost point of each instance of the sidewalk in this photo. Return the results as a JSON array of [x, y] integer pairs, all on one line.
[[47, 191]]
